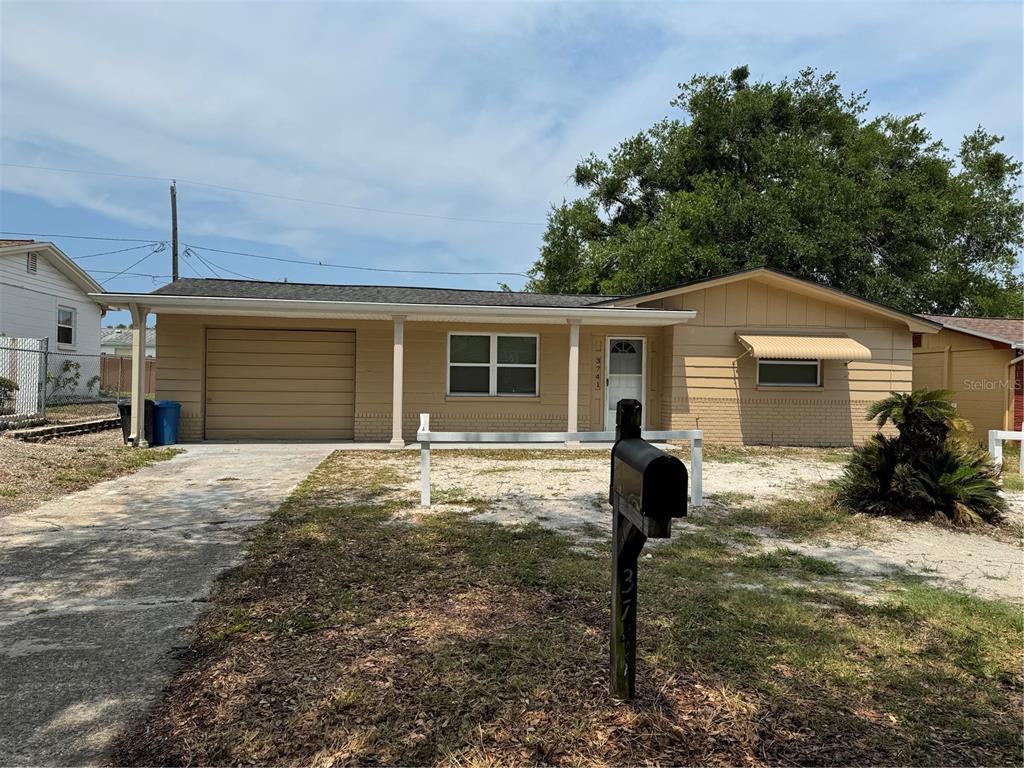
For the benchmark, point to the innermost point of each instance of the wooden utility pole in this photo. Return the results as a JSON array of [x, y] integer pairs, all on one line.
[[174, 230]]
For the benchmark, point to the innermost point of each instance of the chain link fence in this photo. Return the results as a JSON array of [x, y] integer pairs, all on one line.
[[39, 385]]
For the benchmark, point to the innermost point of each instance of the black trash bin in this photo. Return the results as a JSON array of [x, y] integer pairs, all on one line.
[[125, 410]]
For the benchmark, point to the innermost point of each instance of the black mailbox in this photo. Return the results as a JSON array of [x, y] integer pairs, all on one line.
[[647, 489], [650, 485]]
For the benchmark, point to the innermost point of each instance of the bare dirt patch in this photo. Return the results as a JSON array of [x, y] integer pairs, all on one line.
[[566, 491], [31, 473], [347, 639]]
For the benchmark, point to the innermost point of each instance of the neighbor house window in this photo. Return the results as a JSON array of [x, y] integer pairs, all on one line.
[[492, 364], [65, 326], [31, 262], [789, 373]]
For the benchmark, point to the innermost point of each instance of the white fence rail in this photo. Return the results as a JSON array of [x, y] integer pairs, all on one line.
[[995, 445], [426, 437]]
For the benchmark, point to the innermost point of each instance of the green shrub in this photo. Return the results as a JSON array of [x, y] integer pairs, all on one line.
[[926, 471], [65, 379], [7, 388]]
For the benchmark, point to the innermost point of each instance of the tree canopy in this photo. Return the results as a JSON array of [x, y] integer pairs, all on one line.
[[794, 175]]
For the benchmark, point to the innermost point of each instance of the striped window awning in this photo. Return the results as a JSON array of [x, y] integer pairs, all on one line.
[[804, 347]]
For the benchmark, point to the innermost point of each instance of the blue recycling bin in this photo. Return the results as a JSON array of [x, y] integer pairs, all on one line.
[[165, 422]]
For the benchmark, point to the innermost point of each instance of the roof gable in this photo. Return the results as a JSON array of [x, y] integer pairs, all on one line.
[[56, 257], [775, 278]]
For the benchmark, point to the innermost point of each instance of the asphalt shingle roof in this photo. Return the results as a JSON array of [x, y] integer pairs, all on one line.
[[122, 337], [384, 294], [1008, 330]]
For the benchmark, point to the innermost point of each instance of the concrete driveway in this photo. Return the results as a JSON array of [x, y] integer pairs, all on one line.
[[95, 586]]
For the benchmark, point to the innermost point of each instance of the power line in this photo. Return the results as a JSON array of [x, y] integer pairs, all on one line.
[[188, 262], [211, 263], [126, 274], [349, 266], [208, 265], [108, 253], [82, 237], [157, 249], [289, 198], [84, 172]]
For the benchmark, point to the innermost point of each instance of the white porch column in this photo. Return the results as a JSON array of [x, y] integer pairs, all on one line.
[[137, 437], [398, 377], [574, 380]]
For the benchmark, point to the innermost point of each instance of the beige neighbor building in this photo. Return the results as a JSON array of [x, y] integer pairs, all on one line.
[[980, 360], [753, 358]]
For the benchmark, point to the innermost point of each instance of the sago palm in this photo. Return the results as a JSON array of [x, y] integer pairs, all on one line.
[[923, 417]]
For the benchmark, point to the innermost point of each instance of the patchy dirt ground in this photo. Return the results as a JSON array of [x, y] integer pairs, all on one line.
[[566, 492], [360, 631], [569, 494], [31, 473]]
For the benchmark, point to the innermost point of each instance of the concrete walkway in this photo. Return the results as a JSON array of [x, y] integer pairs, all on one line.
[[95, 586]]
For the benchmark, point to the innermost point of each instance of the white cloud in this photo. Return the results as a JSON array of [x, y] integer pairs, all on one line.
[[457, 110]]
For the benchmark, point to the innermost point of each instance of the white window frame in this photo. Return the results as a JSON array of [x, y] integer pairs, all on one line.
[[73, 326], [777, 361], [493, 365]]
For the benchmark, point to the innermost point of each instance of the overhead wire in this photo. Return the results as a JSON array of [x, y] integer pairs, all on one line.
[[108, 253], [155, 250], [351, 266], [205, 263], [211, 263], [81, 237], [127, 274], [276, 196]]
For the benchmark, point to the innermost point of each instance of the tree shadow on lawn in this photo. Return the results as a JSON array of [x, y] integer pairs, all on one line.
[[346, 639]]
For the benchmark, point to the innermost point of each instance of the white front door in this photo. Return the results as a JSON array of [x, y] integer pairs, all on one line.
[[624, 374]]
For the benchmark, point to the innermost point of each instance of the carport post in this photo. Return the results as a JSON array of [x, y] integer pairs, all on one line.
[[574, 381], [397, 380], [137, 437]]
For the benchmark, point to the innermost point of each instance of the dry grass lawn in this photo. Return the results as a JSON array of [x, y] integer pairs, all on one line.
[[361, 632], [31, 473]]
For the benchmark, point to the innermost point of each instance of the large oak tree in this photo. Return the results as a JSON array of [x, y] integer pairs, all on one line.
[[794, 175]]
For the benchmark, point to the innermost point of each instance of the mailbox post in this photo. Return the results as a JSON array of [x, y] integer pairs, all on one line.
[[647, 489]]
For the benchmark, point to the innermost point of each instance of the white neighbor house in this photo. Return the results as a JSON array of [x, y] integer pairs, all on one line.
[[45, 295], [118, 342]]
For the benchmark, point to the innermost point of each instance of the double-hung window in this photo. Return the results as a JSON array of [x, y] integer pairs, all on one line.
[[492, 364], [65, 326], [788, 373]]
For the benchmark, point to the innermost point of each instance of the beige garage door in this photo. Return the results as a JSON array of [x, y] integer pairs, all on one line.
[[279, 385]]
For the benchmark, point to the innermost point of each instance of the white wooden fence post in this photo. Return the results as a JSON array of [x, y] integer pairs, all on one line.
[[995, 448], [424, 460], [697, 471]]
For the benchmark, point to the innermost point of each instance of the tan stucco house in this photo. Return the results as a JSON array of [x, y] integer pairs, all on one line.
[[980, 360], [756, 357]]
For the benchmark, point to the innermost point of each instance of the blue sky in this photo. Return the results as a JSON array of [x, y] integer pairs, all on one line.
[[466, 111]]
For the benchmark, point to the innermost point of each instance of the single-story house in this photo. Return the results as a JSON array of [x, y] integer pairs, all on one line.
[[118, 342], [981, 359], [47, 304], [756, 357], [45, 295]]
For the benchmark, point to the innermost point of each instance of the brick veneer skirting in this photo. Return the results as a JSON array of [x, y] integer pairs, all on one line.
[[808, 421]]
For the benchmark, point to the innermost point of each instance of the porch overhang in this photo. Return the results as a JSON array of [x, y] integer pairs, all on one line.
[[218, 305], [804, 347]]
